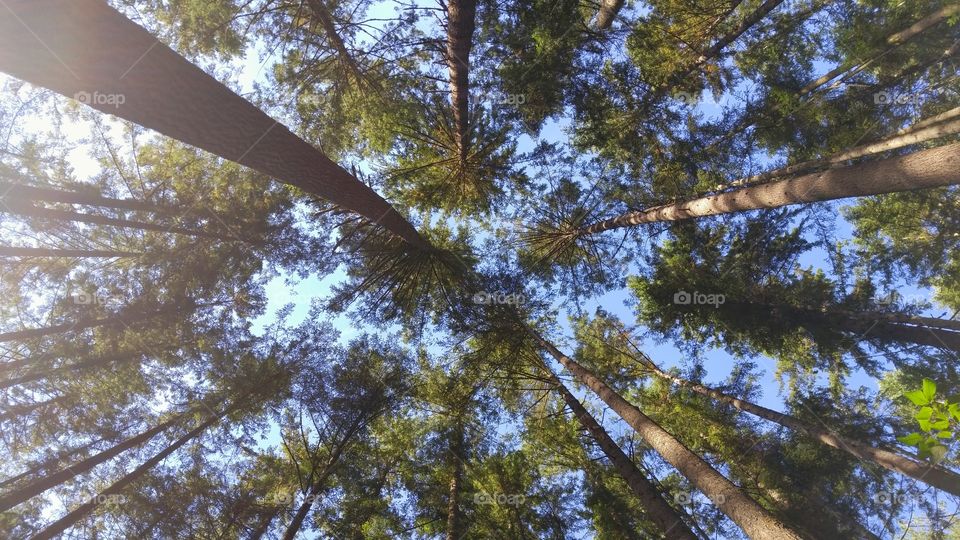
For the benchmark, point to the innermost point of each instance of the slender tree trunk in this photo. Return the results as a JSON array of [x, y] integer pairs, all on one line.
[[36, 193], [124, 318], [13, 251], [330, 30], [81, 511], [753, 18], [935, 476], [931, 168], [87, 50], [19, 207], [461, 15], [83, 365], [669, 520], [17, 411], [9, 500], [48, 464], [457, 445], [609, 9], [755, 521], [264, 525], [894, 40]]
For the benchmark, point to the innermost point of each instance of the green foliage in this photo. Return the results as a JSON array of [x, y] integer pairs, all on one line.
[[939, 421]]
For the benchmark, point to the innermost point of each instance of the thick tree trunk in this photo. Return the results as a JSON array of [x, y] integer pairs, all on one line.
[[74, 517], [12, 251], [330, 30], [456, 478], [935, 476], [461, 15], [124, 318], [33, 489], [87, 50], [669, 520], [609, 9], [19, 207], [931, 168], [755, 521]]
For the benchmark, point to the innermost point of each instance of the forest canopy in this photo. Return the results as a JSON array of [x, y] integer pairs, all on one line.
[[464, 269]]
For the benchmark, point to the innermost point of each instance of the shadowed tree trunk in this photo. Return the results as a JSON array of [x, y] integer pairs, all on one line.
[[124, 318], [66, 368], [48, 464], [87, 50], [931, 168], [461, 15], [35, 193], [607, 13], [935, 476], [74, 517], [9, 500], [16, 411], [12, 251], [330, 31], [457, 445], [669, 520], [757, 522]]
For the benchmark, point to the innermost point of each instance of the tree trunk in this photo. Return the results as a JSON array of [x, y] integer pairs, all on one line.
[[609, 9], [48, 464], [330, 29], [931, 168], [753, 18], [453, 504], [935, 476], [83, 365], [36, 193], [13, 251], [124, 318], [81, 511], [87, 50], [33, 489], [669, 520], [19, 207], [17, 411], [461, 15], [755, 521], [264, 525]]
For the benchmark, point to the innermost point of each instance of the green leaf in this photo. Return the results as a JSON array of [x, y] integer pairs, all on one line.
[[924, 424], [954, 410], [929, 389], [940, 424], [924, 414], [917, 397], [945, 434], [912, 439], [938, 452]]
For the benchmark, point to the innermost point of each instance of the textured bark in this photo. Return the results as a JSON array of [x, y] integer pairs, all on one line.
[[125, 318], [755, 521], [895, 40], [81, 511], [461, 15], [609, 9], [37, 487], [23, 208], [935, 167], [13, 251], [456, 478], [934, 476], [79, 47], [669, 520], [330, 30]]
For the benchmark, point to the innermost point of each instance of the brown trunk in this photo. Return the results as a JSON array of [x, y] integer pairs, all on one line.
[[731, 36], [17, 411], [669, 520], [453, 504], [330, 30], [78, 366], [755, 521], [12, 251], [33, 489], [461, 15], [74, 517], [35, 193], [125, 318], [607, 13], [930, 168], [48, 464], [935, 476], [264, 523], [86, 49]]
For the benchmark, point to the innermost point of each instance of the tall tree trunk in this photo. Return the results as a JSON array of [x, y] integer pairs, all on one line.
[[124, 318], [82, 365], [35, 193], [81, 511], [9, 500], [745, 24], [19, 207], [669, 520], [264, 524], [731, 500], [935, 167], [609, 9], [457, 445], [13, 251], [87, 50], [49, 463], [935, 476], [17, 411], [461, 15], [330, 30]]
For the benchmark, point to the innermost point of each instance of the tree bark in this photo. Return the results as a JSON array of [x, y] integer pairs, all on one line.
[[77, 366], [461, 15], [669, 520], [935, 476], [931, 168], [124, 318], [330, 29], [17, 411], [755, 521], [13, 251], [23, 191], [87, 50], [609, 9], [456, 478], [81, 511], [37, 487]]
